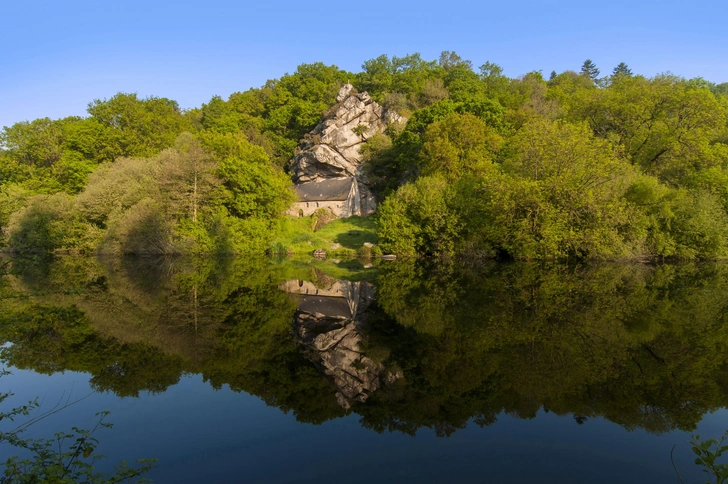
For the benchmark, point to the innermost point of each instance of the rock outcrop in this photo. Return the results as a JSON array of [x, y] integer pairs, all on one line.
[[331, 150], [329, 326]]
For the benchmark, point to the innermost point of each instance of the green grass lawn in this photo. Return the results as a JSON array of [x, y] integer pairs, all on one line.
[[308, 268], [296, 236]]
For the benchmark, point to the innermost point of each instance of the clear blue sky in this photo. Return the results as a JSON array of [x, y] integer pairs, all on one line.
[[59, 55]]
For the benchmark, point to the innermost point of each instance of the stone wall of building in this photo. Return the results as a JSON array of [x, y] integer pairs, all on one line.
[[304, 209]]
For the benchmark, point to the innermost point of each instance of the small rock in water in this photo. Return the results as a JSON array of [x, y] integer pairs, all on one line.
[[388, 257], [368, 244], [319, 253]]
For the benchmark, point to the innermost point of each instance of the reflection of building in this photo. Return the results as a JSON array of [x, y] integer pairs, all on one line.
[[338, 299], [329, 323]]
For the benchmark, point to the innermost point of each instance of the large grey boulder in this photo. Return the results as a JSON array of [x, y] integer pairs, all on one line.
[[332, 149]]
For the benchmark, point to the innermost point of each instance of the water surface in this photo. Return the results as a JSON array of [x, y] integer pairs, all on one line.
[[251, 370]]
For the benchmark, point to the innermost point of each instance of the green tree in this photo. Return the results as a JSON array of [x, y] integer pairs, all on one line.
[[570, 89], [590, 70], [50, 223], [493, 78], [449, 60], [253, 186], [621, 70], [560, 196], [721, 89], [418, 219], [136, 127], [457, 145], [294, 103], [583, 178], [667, 126], [38, 142], [398, 83], [48, 156]]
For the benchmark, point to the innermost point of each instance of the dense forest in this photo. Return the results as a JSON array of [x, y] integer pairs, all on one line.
[[574, 166]]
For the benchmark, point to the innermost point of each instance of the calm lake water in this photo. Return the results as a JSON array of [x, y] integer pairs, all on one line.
[[239, 370]]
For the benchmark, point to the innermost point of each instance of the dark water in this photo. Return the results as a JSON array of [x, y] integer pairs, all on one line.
[[253, 371]]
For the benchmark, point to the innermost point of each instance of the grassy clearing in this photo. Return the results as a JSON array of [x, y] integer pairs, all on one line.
[[309, 269], [296, 236]]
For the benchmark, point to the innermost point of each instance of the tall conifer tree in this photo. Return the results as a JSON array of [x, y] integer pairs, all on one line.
[[589, 69], [622, 70]]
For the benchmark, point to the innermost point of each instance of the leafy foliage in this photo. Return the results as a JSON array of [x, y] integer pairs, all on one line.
[[68, 457], [186, 199], [707, 456]]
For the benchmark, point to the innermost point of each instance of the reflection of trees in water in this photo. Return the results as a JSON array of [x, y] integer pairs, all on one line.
[[644, 346]]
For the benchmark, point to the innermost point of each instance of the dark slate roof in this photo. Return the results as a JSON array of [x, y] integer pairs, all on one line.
[[329, 189], [331, 307]]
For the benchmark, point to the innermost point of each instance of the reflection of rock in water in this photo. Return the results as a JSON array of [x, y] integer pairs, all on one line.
[[329, 323]]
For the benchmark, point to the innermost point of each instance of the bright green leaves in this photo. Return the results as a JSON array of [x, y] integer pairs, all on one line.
[[49, 156], [215, 195], [626, 167], [137, 127], [559, 192], [278, 115], [419, 219], [458, 145], [406, 76], [38, 142], [255, 189], [666, 125], [676, 222]]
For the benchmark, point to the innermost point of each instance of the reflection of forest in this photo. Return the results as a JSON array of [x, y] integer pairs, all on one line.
[[643, 346]]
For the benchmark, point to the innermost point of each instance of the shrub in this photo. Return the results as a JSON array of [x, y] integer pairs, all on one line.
[[321, 217], [50, 223], [700, 227], [419, 219], [141, 230]]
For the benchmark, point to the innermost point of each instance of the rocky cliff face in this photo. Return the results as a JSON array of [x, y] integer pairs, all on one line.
[[328, 325], [331, 150]]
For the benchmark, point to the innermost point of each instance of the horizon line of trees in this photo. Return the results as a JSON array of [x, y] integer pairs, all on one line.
[[621, 166]]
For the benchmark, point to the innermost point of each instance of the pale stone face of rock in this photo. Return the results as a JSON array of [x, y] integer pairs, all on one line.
[[328, 327], [333, 148], [344, 92]]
